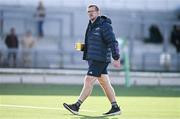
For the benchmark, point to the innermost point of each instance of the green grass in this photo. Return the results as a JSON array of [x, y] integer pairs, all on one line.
[[136, 102]]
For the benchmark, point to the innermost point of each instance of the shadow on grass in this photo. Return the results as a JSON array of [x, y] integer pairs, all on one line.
[[74, 90], [95, 117], [82, 116]]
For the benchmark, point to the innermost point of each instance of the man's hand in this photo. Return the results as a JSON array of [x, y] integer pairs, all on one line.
[[116, 63]]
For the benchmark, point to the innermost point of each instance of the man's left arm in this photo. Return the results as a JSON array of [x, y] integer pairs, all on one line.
[[109, 37]]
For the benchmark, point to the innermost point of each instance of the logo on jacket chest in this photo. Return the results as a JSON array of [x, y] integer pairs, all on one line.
[[96, 31]]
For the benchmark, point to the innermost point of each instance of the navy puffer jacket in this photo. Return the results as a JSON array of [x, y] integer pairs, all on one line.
[[100, 41]]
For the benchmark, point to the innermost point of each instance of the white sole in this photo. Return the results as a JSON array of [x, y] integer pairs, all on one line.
[[72, 111], [115, 113]]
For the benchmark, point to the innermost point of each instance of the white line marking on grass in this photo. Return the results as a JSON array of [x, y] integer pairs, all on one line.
[[36, 107], [30, 107]]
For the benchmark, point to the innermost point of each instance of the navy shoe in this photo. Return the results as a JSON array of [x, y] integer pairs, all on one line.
[[72, 108], [115, 110]]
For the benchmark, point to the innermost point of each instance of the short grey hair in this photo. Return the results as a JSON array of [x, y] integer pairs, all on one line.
[[95, 6]]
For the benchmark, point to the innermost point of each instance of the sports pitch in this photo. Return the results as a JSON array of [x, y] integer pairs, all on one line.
[[28, 101]]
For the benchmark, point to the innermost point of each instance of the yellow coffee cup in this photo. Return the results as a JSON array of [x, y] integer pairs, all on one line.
[[79, 46]]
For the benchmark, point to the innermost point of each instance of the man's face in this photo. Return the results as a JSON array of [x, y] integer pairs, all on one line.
[[12, 31], [92, 13]]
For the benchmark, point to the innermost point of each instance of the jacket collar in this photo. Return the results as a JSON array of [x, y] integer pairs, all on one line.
[[97, 21]]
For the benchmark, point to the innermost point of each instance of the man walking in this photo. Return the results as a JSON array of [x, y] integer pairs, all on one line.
[[100, 43]]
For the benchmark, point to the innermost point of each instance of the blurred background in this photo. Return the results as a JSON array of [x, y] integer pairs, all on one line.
[[146, 26], [42, 34]]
